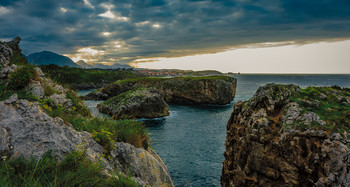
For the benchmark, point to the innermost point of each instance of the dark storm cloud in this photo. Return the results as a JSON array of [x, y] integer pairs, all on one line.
[[158, 28]]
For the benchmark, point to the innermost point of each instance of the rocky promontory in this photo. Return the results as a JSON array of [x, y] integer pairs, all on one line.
[[138, 103], [288, 136], [39, 117], [181, 90]]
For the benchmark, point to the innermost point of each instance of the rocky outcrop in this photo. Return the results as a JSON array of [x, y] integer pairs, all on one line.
[[281, 137], [187, 90], [27, 131], [6, 52], [145, 166], [137, 103]]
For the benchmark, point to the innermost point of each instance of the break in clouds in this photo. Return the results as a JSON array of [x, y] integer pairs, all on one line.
[[124, 31]]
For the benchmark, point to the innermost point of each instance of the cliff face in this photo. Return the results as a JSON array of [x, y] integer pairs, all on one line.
[[138, 103], [191, 90], [287, 136]]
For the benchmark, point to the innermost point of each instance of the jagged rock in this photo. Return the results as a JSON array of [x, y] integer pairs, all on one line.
[[5, 146], [144, 166], [187, 90], [6, 51], [14, 44], [60, 99], [32, 132], [273, 141], [36, 89], [139, 103], [40, 72]]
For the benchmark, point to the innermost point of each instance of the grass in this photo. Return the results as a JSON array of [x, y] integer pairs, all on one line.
[[152, 79], [105, 131], [334, 112], [76, 76], [22, 76], [75, 170], [18, 59]]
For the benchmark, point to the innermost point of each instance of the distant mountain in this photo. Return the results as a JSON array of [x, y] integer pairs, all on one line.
[[48, 57], [83, 64]]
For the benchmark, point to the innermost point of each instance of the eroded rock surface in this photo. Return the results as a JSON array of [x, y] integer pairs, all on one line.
[[188, 90], [275, 139], [145, 166], [138, 103], [28, 131]]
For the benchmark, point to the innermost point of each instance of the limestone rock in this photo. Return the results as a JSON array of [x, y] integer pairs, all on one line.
[[143, 166], [27, 131], [14, 44], [139, 103], [36, 89], [273, 141], [187, 90], [60, 99]]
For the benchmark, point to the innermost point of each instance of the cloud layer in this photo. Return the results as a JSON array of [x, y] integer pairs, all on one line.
[[123, 31]]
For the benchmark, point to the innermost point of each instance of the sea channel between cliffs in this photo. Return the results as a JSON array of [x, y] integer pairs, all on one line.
[[191, 139]]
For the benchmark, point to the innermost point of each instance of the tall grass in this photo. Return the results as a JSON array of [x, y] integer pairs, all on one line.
[[105, 131], [75, 170]]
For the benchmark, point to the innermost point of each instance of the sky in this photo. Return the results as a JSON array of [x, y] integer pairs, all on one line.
[[227, 35]]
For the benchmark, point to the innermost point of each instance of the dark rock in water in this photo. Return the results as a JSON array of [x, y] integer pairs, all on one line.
[[138, 103], [281, 137], [187, 90]]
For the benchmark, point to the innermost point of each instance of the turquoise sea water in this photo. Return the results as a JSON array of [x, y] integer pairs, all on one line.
[[191, 140]]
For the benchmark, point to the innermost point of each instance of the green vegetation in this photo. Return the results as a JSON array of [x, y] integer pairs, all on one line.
[[105, 131], [21, 77], [18, 59], [329, 103], [124, 97], [149, 79], [75, 170], [76, 76]]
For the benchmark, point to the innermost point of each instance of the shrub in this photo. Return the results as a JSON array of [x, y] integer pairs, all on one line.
[[105, 131], [75, 170], [49, 90], [18, 59], [21, 77]]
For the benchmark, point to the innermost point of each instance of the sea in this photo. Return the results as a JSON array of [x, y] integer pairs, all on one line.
[[191, 140]]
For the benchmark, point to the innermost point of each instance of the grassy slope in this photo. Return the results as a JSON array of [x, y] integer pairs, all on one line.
[[75, 76], [333, 110]]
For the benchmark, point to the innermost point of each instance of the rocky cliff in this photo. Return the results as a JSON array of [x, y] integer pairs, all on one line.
[[288, 136], [29, 128], [137, 103], [186, 90]]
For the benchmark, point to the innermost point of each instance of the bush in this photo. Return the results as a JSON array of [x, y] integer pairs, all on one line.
[[105, 131], [75, 170], [21, 77], [18, 59]]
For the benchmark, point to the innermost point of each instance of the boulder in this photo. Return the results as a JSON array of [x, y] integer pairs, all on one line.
[[144, 166], [277, 139], [27, 131], [138, 103], [36, 89]]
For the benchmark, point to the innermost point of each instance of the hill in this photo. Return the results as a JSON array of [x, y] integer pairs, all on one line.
[[48, 57]]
